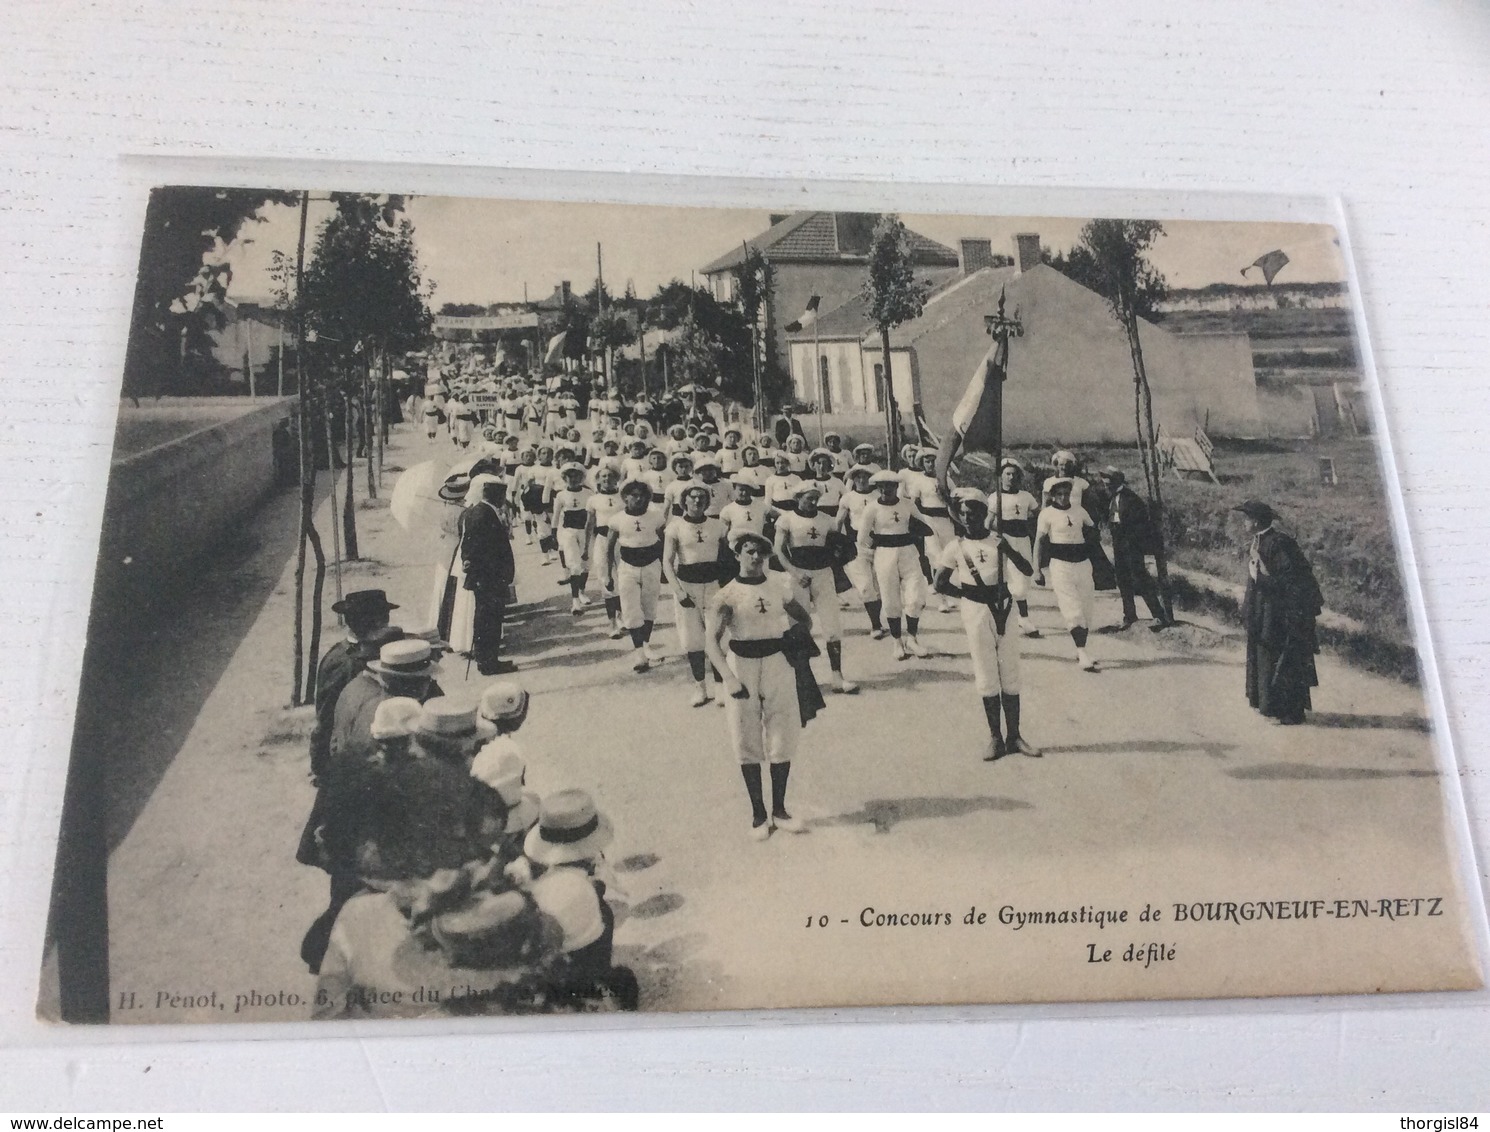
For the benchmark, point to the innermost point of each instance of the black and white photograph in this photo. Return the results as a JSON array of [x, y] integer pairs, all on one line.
[[520, 608]]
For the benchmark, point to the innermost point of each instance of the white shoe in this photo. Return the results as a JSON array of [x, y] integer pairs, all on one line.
[[653, 651], [900, 652], [762, 831], [945, 607], [700, 697], [616, 632], [845, 687], [642, 663], [1031, 632], [878, 634], [916, 647], [1087, 663], [584, 602]]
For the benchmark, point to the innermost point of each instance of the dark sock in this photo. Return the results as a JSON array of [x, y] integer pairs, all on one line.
[[873, 609], [912, 624], [612, 607], [894, 623], [835, 656], [646, 631], [1079, 636], [584, 580], [575, 585], [717, 678], [779, 772], [991, 713], [751, 772], [1011, 715], [1024, 608], [637, 639], [696, 665]]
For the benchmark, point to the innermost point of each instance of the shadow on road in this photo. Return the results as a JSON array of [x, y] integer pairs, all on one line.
[[909, 676], [886, 813], [1303, 772], [1115, 664], [1405, 722], [1144, 747]]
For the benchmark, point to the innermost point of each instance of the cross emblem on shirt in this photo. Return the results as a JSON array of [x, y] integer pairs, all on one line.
[[982, 557], [894, 516], [812, 532], [699, 535], [760, 605]]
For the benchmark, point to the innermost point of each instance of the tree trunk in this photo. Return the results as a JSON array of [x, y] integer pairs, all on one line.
[[892, 432], [367, 425], [307, 457], [313, 655], [1148, 441], [349, 510]]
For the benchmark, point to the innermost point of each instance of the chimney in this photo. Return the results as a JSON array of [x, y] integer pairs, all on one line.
[[975, 254], [778, 217], [1026, 250], [564, 293]]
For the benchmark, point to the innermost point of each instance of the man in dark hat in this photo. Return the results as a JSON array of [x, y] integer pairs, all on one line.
[[366, 615], [1134, 536], [787, 425], [486, 555], [1279, 608]]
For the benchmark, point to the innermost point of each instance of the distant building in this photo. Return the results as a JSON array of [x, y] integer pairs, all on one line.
[[1071, 376], [1232, 297], [814, 253], [249, 339]]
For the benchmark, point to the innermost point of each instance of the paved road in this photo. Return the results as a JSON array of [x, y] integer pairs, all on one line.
[[1159, 785]]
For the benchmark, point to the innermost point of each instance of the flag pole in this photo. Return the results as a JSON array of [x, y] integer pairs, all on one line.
[[821, 381]]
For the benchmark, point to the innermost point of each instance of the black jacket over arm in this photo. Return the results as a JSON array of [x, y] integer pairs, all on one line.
[[485, 548]]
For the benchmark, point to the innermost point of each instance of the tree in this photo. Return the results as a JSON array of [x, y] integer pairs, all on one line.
[[754, 282], [716, 345], [894, 296], [1114, 253], [177, 292], [364, 298]]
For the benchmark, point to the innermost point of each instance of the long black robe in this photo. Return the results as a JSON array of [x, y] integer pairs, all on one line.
[[1282, 601]]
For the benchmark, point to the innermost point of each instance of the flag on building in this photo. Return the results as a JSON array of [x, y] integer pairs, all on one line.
[[976, 418], [1269, 264], [809, 316]]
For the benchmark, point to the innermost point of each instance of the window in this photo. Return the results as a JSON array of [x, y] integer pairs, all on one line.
[[879, 386]]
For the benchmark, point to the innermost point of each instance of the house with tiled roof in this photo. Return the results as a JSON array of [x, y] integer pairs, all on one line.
[[814, 253], [1070, 372]]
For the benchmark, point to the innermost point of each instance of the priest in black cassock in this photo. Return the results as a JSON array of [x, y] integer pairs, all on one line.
[[1279, 609]]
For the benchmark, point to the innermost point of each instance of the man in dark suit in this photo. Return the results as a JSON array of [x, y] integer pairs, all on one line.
[[366, 615], [788, 426], [1134, 536], [486, 553]]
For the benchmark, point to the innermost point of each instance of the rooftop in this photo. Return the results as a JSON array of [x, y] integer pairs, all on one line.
[[828, 237]]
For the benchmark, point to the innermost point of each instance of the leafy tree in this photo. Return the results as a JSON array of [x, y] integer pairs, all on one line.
[[462, 310], [754, 282], [177, 294], [894, 295], [1115, 254], [1082, 265]]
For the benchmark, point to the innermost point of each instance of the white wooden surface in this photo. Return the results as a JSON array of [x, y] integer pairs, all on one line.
[[1385, 103]]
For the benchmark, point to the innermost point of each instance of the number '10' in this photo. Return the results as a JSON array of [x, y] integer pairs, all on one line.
[[822, 921]]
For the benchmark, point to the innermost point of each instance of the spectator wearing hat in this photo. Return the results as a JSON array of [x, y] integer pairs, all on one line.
[[1279, 609], [365, 613], [501, 767], [693, 555], [1017, 511], [633, 565], [976, 567], [571, 519], [860, 570], [887, 535], [602, 504], [1134, 536], [765, 717], [787, 426], [1065, 538], [489, 570], [803, 540]]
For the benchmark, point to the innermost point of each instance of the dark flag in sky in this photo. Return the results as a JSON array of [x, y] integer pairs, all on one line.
[[976, 418], [1270, 264]]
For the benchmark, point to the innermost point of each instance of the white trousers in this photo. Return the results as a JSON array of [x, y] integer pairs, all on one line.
[[1019, 584], [942, 532], [861, 572], [995, 656], [691, 621], [766, 726], [637, 587], [572, 547], [902, 585], [1074, 592], [820, 600]]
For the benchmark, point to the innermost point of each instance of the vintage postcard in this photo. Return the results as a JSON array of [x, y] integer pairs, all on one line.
[[509, 607]]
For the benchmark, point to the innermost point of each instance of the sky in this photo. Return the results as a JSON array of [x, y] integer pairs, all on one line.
[[486, 251]]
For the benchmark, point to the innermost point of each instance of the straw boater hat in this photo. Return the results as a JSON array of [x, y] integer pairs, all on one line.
[[476, 492], [823, 452], [444, 718], [827, 436], [807, 487], [705, 461], [410, 656], [569, 829], [882, 477], [503, 700], [453, 490], [572, 467], [686, 457], [363, 603], [863, 446], [969, 495], [503, 769], [696, 489], [870, 470]]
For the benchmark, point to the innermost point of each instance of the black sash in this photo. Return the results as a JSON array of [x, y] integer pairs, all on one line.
[[641, 555], [575, 519], [756, 650], [1016, 528], [1069, 551], [698, 573], [809, 557], [892, 540]]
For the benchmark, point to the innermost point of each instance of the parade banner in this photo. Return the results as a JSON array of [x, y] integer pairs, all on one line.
[[1121, 693]]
